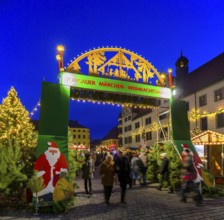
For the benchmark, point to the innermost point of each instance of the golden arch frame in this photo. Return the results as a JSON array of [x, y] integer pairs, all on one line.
[[123, 61]]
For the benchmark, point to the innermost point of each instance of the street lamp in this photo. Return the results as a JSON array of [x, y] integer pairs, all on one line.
[[59, 58]]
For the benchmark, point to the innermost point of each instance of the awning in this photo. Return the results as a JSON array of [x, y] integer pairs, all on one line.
[[208, 138]]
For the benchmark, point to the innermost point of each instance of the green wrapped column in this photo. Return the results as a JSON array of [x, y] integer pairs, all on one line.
[[182, 139], [52, 146], [53, 116]]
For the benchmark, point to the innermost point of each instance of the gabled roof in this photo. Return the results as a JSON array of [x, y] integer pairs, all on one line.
[[112, 134], [208, 138], [204, 76], [75, 124]]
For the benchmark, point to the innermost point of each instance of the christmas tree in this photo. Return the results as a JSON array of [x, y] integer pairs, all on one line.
[[15, 123], [17, 145]]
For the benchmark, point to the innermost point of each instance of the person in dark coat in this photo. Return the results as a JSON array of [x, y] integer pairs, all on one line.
[[106, 172], [122, 168], [164, 172], [88, 169]]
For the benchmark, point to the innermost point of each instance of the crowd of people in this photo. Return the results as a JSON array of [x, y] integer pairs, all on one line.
[[131, 168]]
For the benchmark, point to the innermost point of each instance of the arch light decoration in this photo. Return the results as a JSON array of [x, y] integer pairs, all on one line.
[[114, 76], [116, 63]]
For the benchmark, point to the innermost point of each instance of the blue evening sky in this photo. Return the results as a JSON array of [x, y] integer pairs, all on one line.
[[30, 31]]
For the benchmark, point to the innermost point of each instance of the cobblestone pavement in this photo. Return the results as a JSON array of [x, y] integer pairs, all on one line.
[[143, 202]]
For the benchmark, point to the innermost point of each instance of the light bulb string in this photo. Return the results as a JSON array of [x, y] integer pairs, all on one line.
[[35, 109]]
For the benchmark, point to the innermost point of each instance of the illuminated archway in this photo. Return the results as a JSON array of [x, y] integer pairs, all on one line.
[[113, 75], [110, 75], [116, 63]]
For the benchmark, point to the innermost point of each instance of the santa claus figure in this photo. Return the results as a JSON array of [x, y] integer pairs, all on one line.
[[197, 176], [50, 165]]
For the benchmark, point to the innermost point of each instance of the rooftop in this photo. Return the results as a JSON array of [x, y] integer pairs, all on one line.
[[206, 75]]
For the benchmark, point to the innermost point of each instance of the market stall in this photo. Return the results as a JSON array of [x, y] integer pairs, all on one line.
[[211, 146]]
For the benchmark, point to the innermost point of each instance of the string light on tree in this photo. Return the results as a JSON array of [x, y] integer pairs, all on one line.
[[15, 122]]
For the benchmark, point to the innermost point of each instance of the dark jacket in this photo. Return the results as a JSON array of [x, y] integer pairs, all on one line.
[[122, 168], [164, 168], [87, 169]]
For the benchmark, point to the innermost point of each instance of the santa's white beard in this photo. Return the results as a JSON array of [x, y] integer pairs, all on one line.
[[52, 158]]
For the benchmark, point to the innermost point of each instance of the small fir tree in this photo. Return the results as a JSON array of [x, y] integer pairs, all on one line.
[[11, 166], [153, 166], [75, 159], [36, 184], [174, 166]]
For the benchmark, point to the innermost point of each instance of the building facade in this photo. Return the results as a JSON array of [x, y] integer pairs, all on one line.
[[202, 89], [79, 134]]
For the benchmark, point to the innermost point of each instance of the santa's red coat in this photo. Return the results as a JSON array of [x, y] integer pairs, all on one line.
[[42, 164]]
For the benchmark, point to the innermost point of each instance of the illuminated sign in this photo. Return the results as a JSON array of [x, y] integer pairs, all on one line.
[[113, 85]]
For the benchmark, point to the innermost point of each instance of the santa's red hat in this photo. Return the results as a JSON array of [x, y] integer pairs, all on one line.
[[186, 149], [184, 146], [52, 144]]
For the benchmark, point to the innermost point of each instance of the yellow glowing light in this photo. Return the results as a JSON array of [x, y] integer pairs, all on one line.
[[60, 48], [163, 76], [58, 57], [169, 70]]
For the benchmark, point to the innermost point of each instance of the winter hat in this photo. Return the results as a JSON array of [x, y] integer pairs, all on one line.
[[52, 144], [163, 154], [184, 146]]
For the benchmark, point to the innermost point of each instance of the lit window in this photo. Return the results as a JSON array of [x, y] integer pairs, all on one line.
[[219, 94]]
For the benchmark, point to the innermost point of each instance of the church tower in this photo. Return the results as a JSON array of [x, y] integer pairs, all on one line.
[[181, 73]]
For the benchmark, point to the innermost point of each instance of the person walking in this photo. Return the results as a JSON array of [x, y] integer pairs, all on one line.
[[143, 168], [187, 173], [122, 169], [164, 173], [106, 171], [88, 168], [135, 169]]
